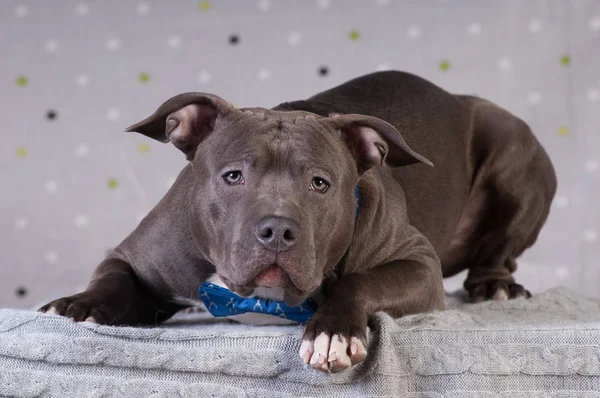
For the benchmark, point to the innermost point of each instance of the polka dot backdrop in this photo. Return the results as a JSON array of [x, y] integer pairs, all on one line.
[[74, 74]]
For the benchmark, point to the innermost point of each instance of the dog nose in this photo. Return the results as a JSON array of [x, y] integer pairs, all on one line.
[[277, 233]]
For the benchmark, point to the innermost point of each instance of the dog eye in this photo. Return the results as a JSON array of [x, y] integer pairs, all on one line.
[[319, 184], [233, 177]]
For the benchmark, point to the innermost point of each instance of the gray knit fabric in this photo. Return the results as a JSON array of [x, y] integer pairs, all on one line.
[[548, 346]]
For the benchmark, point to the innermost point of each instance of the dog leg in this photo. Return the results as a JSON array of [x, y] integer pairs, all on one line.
[[115, 296], [335, 337], [515, 183]]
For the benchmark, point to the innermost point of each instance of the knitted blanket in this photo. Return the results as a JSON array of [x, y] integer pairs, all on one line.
[[547, 346]]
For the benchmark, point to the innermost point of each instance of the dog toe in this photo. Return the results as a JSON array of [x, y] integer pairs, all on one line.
[[358, 352], [338, 354], [479, 293], [318, 360], [51, 311], [500, 291], [307, 348], [518, 291]]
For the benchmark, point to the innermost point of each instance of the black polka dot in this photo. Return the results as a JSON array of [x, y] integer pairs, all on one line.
[[51, 114], [234, 39], [323, 71], [21, 291]]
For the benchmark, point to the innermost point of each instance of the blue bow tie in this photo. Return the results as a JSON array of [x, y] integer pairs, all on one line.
[[222, 302]]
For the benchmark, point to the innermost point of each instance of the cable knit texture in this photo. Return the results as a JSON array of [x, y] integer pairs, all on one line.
[[547, 346]]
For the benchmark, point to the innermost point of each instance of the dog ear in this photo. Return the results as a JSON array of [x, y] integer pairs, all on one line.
[[375, 142], [185, 120]]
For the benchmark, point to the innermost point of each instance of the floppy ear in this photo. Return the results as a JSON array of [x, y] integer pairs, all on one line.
[[185, 120], [375, 142]]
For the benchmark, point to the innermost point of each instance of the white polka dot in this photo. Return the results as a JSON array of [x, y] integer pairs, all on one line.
[[534, 97], [143, 8], [264, 5], [590, 235], [82, 150], [174, 42], [81, 221], [560, 202], [594, 23], [21, 223], [82, 80], [593, 94], [561, 272], [113, 114], [82, 9], [504, 64], [51, 45], [592, 165], [323, 3], [51, 257], [51, 186], [535, 26], [382, 67], [264, 75], [474, 28], [113, 44], [170, 181], [294, 38], [21, 10], [204, 77], [413, 32]]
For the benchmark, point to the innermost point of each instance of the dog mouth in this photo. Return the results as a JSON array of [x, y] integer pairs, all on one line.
[[272, 276]]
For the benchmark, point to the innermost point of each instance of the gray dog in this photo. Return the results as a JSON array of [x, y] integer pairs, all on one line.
[[332, 198]]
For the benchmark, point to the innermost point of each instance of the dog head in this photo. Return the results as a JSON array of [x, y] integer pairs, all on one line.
[[273, 199]]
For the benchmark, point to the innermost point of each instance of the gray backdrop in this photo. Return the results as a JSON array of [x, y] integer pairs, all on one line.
[[74, 74]]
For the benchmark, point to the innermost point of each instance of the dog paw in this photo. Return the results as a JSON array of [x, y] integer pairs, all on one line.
[[332, 348], [79, 308], [497, 291]]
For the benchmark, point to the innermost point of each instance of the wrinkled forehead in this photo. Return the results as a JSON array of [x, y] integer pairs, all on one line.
[[278, 138]]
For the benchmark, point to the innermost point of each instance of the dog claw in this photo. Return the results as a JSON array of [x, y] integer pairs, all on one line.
[[52, 311], [500, 295]]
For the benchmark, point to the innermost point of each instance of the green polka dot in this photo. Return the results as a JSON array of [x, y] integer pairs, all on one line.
[[354, 35], [22, 81], [112, 183], [204, 6], [565, 60], [21, 152], [143, 77], [143, 147], [444, 65], [563, 131]]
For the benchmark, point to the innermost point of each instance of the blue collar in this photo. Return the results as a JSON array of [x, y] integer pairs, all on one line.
[[222, 302]]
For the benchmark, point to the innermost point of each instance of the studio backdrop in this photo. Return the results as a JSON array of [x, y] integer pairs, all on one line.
[[74, 74]]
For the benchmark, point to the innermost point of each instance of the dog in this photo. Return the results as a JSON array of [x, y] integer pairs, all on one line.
[[334, 198]]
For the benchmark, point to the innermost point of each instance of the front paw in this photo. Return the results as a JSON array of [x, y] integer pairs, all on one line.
[[333, 343], [85, 306]]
